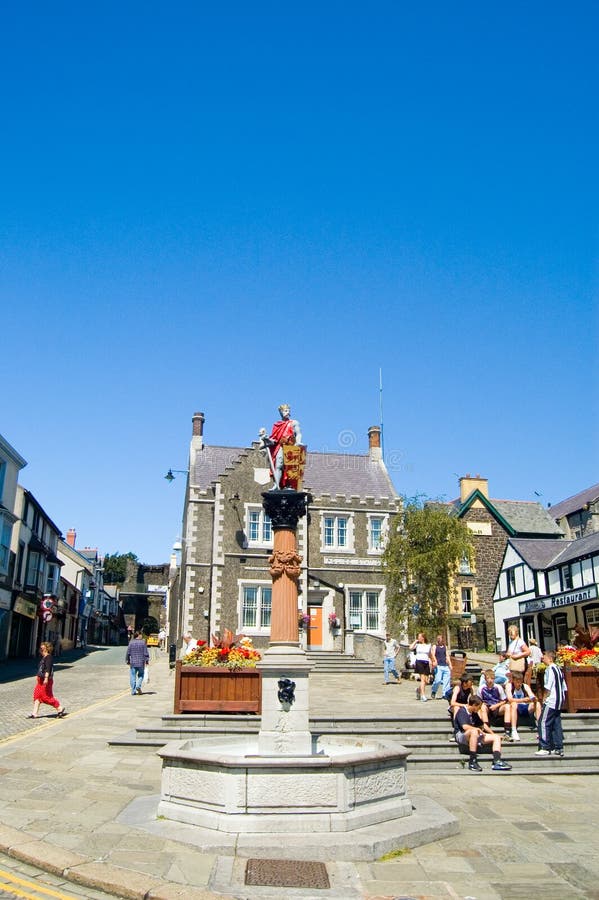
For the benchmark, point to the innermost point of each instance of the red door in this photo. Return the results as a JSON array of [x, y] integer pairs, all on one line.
[[315, 627]]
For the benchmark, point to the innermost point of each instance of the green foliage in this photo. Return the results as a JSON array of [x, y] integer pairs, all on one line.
[[421, 557], [150, 626], [115, 567]]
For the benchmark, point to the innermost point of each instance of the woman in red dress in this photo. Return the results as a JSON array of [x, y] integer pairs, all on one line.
[[42, 693]]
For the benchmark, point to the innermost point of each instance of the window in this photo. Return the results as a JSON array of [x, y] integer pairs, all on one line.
[[259, 527], [35, 570], [511, 582], [256, 602], [52, 580], [336, 533], [466, 600], [465, 567], [566, 578], [375, 533], [5, 536], [364, 610], [591, 615]]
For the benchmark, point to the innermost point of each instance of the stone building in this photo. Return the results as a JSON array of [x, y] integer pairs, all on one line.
[[492, 523], [578, 516], [143, 594], [227, 540]]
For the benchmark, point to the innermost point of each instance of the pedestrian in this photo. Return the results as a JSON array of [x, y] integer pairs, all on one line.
[[551, 735], [42, 693], [442, 680], [188, 645], [161, 638], [390, 651], [472, 733], [425, 660], [137, 659]]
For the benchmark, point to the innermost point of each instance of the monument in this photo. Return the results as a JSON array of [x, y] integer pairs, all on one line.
[[288, 794]]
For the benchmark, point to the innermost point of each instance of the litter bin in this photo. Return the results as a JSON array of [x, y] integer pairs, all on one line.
[[458, 664], [172, 655]]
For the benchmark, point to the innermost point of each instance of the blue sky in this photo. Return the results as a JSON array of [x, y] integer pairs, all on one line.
[[219, 207]]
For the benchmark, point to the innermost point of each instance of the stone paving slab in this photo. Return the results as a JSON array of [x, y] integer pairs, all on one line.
[[63, 791]]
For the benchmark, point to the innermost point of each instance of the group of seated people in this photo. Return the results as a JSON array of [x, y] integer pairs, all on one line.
[[502, 700]]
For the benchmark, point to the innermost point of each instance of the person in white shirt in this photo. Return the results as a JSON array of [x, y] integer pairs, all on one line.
[[189, 644], [425, 662], [390, 651]]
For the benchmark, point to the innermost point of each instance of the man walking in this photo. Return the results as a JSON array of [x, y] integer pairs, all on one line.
[[390, 651], [551, 735], [137, 659]]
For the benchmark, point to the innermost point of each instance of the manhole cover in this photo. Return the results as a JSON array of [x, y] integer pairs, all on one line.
[[286, 873]]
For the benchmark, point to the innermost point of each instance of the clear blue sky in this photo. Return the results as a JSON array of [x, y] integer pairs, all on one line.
[[219, 207]]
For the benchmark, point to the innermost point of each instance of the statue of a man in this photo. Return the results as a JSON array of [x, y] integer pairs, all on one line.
[[286, 466]]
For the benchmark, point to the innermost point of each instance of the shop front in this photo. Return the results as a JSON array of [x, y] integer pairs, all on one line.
[[551, 619], [23, 627]]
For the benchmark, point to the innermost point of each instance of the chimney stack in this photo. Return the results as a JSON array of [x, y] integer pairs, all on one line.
[[374, 442], [71, 537], [198, 420], [470, 483]]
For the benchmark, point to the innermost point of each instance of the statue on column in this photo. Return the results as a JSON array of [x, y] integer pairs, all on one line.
[[285, 451]]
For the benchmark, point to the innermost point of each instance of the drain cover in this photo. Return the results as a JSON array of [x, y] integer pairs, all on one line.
[[286, 873]]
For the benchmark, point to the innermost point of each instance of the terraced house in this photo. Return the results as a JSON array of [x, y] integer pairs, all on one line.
[[227, 540]]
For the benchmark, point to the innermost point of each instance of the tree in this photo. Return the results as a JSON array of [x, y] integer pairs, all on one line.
[[115, 567], [150, 626], [420, 560]]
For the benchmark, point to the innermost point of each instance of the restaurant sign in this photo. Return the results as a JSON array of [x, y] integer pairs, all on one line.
[[570, 598]]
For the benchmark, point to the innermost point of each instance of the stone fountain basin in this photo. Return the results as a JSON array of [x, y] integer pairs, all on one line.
[[224, 784]]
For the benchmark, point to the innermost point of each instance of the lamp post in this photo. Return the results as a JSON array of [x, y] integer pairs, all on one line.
[[172, 473]]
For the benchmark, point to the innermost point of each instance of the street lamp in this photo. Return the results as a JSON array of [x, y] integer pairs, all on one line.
[[170, 475]]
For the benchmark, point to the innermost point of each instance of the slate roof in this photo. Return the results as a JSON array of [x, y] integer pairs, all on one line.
[[573, 504], [545, 554], [539, 554], [584, 546], [527, 517], [523, 517], [345, 474]]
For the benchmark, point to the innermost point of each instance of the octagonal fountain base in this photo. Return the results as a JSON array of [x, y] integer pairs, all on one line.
[[347, 800]]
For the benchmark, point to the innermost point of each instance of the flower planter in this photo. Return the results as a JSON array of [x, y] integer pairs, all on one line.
[[583, 688], [216, 689]]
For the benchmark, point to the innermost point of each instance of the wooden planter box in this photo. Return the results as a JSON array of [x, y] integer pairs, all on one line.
[[583, 688], [215, 690]]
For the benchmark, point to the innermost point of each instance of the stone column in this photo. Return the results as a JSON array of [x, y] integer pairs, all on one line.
[[285, 667]]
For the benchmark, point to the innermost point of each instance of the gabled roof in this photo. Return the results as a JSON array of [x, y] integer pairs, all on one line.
[[575, 503], [584, 546], [519, 517], [547, 554], [346, 474], [540, 553]]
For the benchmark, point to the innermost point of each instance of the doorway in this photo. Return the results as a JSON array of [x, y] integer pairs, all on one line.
[[315, 628]]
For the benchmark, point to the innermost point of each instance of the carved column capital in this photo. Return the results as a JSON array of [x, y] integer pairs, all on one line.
[[284, 561]]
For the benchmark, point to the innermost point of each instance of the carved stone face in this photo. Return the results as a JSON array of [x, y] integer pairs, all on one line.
[[285, 410]]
